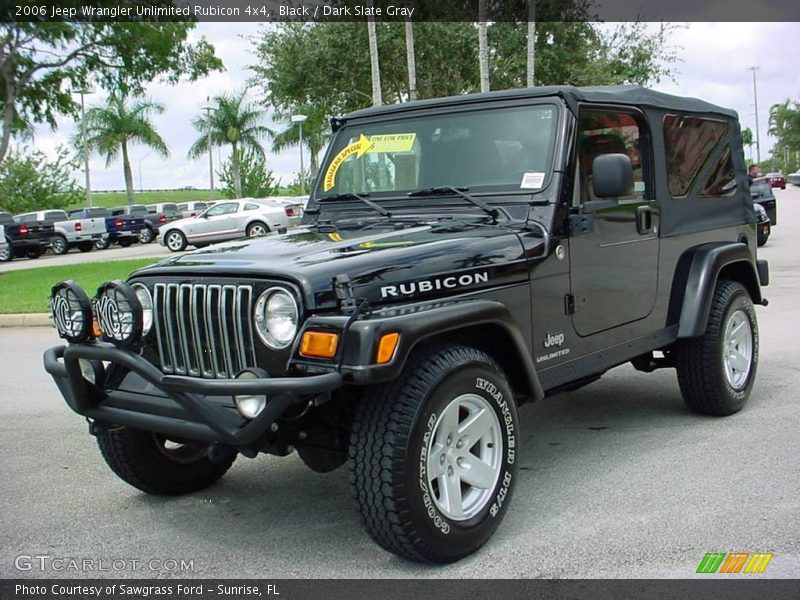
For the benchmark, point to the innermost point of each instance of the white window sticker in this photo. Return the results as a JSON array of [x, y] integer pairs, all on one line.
[[532, 180]]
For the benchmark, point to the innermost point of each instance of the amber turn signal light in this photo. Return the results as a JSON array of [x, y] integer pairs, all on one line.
[[319, 344], [387, 346]]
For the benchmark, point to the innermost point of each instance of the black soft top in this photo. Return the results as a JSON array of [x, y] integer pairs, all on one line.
[[632, 95]]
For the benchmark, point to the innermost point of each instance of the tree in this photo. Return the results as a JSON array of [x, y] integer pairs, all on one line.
[[41, 64], [29, 181], [257, 181], [784, 124], [110, 130], [234, 122]]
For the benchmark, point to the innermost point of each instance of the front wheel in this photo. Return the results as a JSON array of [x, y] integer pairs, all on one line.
[[158, 465], [716, 371], [432, 455], [7, 253], [102, 243], [175, 241]]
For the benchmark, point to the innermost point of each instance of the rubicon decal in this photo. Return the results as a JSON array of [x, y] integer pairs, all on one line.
[[734, 562], [450, 282]]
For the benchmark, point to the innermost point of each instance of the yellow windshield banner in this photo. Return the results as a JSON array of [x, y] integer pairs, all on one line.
[[396, 142]]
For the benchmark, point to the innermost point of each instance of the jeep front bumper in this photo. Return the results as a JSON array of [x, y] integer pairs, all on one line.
[[184, 407]]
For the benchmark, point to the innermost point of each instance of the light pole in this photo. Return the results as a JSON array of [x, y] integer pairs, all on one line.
[[299, 120], [755, 102], [83, 92], [209, 106], [141, 158]]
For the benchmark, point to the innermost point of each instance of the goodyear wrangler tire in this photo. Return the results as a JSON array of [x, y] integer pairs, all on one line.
[[432, 455], [716, 371], [155, 465]]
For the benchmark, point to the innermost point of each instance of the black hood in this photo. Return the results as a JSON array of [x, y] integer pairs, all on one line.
[[384, 263]]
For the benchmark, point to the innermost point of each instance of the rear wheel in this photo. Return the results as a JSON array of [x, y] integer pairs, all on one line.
[[146, 236], [35, 253], [432, 455], [257, 228], [86, 246], [175, 241], [716, 371], [59, 245], [157, 465], [125, 243]]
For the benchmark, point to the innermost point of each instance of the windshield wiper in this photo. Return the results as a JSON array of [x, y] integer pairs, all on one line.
[[352, 196], [447, 190]]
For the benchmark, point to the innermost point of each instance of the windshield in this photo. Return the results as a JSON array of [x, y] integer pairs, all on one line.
[[482, 150]]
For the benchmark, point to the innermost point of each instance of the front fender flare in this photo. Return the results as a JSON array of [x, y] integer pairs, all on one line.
[[420, 323]]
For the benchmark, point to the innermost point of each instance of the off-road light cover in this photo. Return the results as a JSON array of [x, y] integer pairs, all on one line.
[[276, 316], [146, 300], [72, 312], [119, 313], [249, 405]]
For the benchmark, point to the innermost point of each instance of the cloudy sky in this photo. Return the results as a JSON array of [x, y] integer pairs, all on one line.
[[714, 66]]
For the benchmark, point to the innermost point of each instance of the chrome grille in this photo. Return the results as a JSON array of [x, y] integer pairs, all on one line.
[[204, 330]]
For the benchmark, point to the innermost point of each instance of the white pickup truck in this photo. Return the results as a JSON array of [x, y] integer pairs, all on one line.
[[69, 233]]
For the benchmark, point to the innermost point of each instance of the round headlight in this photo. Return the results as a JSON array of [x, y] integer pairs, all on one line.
[[119, 313], [72, 312], [146, 300], [276, 316]]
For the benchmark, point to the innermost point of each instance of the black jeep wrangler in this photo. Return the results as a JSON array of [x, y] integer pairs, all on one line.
[[459, 257]]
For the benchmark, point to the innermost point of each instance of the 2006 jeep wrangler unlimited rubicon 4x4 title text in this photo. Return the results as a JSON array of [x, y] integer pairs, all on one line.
[[459, 257]]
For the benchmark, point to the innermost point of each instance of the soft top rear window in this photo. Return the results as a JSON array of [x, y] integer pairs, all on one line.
[[689, 142]]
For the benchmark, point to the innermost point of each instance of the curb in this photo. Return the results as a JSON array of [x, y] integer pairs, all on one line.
[[26, 320]]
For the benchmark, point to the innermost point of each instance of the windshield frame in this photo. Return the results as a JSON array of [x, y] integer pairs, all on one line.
[[351, 125]]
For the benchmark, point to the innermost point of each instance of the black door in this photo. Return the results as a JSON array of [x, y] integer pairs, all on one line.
[[614, 258]]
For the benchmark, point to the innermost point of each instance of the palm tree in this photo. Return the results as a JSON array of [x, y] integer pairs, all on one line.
[[411, 61], [377, 95], [315, 136], [110, 129], [235, 123], [483, 46], [531, 53], [747, 140]]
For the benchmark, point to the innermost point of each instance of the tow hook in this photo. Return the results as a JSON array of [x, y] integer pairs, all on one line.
[[764, 302]]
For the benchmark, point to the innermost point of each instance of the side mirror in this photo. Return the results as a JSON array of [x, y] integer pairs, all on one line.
[[612, 175]]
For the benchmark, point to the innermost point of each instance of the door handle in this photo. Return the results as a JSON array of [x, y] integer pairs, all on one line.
[[644, 220]]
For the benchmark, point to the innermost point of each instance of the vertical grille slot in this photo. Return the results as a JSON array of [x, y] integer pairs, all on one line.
[[204, 330]]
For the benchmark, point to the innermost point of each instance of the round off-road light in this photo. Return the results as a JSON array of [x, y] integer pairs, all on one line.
[[276, 316], [72, 312], [146, 300], [119, 314], [250, 405]]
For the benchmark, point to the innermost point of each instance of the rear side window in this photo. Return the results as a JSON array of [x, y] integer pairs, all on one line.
[[722, 181], [251, 206], [689, 142]]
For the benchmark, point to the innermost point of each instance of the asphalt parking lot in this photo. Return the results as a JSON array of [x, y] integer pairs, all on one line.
[[618, 479]]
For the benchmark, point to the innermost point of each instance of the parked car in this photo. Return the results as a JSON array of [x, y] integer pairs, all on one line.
[[153, 221], [777, 180], [229, 220], [763, 226], [761, 192], [168, 208], [794, 178], [122, 229], [24, 239], [192, 209], [69, 232], [514, 252]]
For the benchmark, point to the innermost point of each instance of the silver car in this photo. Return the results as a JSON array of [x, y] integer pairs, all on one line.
[[230, 220]]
